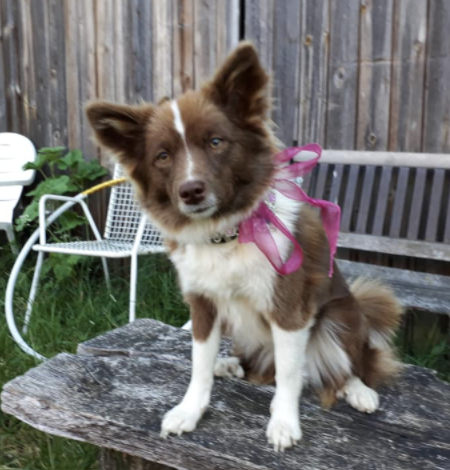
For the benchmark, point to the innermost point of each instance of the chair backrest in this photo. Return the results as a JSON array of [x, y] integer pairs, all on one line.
[[15, 151], [124, 215], [395, 203]]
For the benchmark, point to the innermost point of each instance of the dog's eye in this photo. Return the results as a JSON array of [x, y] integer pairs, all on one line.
[[215, 142], [162, 157]]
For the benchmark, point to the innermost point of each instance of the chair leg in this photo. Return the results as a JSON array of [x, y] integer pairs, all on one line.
[[34, 284], [133, 285], [12, 239], [106, 271]]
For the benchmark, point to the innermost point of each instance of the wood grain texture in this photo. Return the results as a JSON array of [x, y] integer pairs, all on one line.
[[183, 62], [374, 74], [286, 65], [315, 49], [113, 460], [408, 75], [437, 101], [395, 246], [117, 401], [343, 75], [420, 291], [259, 28], [162, 16]]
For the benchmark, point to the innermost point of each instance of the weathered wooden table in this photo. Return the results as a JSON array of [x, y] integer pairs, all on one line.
[[115, 391]]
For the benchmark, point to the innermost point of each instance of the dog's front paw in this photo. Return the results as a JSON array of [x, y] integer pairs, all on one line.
[[283, 432], [179, 420]]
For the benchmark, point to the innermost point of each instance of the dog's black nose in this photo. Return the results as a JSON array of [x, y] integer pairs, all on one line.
[[192, 192]]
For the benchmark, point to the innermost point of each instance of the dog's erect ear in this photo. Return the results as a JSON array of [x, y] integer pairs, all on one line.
[[120, 128], [240, 85]]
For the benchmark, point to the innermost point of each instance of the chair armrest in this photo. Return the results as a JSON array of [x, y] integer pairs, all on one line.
[[76, 200]]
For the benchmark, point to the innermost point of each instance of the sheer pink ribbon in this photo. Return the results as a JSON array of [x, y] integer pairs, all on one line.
[[255, 229]]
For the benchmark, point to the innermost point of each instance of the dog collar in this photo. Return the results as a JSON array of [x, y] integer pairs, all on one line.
[[224, 237]]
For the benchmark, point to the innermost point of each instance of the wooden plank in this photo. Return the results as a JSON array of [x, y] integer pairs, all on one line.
[[434, 210], [421, 291], [72, 74], [286, 65], [366, 200], [400, 159], [417, 204], [437, 88], [408, 69], [374, 74], [10, 46], [183, 61], [349, 199], [259, 28], [57, 82], [382, 201], [320, 186], [314, 70], [447, 224], [227, 28], [338, 174], [395, 246], [342, 79], [121, 394], [399, 203], [142, 47], [162, 49], [88, 71], [205, 40], [27, 77], [39, 16]]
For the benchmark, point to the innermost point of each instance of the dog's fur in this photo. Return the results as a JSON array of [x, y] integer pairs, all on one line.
[[221, 138]]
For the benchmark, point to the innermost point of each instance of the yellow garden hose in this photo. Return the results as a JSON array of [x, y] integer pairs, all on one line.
[[107, 184]]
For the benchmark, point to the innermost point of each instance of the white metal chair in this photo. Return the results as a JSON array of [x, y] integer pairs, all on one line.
[[127, 234], [15, 151]]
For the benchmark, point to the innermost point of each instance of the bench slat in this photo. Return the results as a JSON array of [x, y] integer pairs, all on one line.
[[394, 159], [338, 174], [321, 180], [399, 203], [435, 205], [382, 201], [398, 246], [347, 208], [422, 291], [366, 199], [417, 203]]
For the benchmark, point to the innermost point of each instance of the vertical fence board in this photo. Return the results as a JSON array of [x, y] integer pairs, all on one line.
[[3, 115], [58, 100], [183, 67], [162, 21], [374, 74], [437, 104], [10, 49], [286, 56], [315, 45], [259, 28], [343, 74], [39, 12], [408, 67]]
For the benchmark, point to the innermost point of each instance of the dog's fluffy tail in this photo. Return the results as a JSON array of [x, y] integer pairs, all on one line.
[[382, 312]]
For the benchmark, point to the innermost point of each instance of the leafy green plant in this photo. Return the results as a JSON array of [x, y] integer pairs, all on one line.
[[78, 174], [65, 173]]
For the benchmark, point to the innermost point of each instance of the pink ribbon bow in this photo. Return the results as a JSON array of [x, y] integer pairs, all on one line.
[[255, 229]]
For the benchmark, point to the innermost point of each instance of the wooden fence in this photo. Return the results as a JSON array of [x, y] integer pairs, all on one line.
[[349, 74]]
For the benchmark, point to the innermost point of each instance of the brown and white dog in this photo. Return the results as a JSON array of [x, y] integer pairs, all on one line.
[[201, 164]]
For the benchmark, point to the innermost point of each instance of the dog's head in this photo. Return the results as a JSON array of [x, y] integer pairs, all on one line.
[[200, 160]]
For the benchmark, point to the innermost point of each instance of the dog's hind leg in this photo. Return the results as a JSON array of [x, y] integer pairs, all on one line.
[[228, 367], [359, 396]]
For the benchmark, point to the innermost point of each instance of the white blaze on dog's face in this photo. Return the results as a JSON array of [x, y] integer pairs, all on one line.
[[205, 155]]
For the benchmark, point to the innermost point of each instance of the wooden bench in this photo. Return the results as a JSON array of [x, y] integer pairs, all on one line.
[[115, 391], [395, 204]]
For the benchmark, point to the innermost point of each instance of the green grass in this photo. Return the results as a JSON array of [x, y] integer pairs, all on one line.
[[68, 313], [64, 315]]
